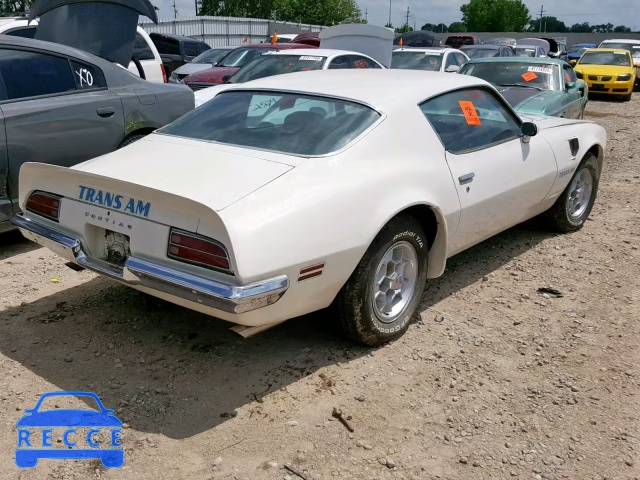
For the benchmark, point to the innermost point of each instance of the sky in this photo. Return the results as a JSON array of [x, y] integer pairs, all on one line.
[[617, 12]]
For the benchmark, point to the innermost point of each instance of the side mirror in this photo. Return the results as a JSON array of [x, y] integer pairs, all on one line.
[[452, 68], [529, 129], [226, 78], [570, 85]]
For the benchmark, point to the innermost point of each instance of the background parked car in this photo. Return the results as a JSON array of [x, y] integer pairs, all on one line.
[[627, 44], [431, 59], [176, 50], [71, 107], [290, 61], [234, 62], [608, 71], [282, 37], [507, 42], [531, 51], [457, 41], [575, 51], [418, 38], [144, 49], [487, 51], [208, 59], [542, 86], [307, 39]]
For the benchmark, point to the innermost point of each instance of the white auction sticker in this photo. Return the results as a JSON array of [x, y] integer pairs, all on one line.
[[548, 71], [313, 59]]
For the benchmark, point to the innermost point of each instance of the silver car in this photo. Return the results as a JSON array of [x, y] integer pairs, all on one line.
[[63, 106], [203, 61]]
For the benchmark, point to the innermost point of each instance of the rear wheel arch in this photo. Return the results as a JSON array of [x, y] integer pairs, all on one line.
[[136, 134], [432, 221]]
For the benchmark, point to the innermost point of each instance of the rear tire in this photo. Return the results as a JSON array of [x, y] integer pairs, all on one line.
[[572, 208], [129, 140], [378, 301]]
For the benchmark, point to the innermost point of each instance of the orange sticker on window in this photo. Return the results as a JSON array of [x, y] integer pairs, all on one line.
[[470, 114], [529, 76], [568, 77]]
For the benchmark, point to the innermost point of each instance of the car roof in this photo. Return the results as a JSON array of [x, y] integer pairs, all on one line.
[[385, 89], [54, 48], [545, 61], [483, 46], [425, 49], [317, 52], [582, 44], [181, 38], [620, 40], [281, 46], [620, 50]]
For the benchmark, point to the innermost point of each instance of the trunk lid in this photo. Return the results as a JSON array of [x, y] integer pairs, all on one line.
[[210, 174]]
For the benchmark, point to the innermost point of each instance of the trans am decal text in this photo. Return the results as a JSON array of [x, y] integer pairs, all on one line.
[[115, 201]]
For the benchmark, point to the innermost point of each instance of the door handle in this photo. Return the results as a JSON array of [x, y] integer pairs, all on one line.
[[106, 112], [467, 178]]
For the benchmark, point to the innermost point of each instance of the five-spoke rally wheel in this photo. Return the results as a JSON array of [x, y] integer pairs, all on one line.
[[571, 210], [379, 299]]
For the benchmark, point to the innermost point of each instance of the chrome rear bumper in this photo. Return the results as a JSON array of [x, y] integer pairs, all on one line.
[[140, 272]]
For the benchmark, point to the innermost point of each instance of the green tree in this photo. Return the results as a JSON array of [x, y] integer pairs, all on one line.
[[495, 15], [604, 28], [389, 25], [237, 8], [622, 29], [404, 29], [317, 12], [10, 7], [549, 24], [580, 28], [457, 27], [429, 27]]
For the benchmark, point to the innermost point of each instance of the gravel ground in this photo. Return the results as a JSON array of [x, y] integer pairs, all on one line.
[[496, 381]]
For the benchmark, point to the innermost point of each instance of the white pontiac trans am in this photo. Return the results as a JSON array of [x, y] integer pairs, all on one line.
[[289, 194]]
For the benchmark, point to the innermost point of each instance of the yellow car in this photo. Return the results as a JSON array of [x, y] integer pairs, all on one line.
[[607, 70]]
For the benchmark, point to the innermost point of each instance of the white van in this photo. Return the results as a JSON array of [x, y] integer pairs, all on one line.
[[144, 48]]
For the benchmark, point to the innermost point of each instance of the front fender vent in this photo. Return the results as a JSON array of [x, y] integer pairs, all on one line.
[[574, 145]]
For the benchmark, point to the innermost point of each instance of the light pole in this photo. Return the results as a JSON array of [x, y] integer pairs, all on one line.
[[389, 13]]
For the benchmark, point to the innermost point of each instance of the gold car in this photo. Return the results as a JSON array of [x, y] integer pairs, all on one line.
[[607, 70]]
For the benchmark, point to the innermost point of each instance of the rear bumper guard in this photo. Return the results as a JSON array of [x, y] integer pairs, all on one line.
[[140, 272]]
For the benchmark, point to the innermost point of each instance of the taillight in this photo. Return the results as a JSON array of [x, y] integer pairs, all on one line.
[[45, 204], [164, 73], [199, 250]]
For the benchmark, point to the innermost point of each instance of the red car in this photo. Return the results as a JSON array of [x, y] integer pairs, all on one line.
[[307, 39], [457, 41], [234, 62]]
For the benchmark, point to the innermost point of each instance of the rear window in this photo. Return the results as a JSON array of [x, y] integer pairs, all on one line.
[[482, 52], [141, 49], [269, 65], [190, 49], [416, 60], [166, 45], [283, 122], [634, 48], [241, 56], [525, 52], [459, 41]]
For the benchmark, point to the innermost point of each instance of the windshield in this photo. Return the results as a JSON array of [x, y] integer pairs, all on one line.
[[269, 65], [416, 60], [482, 52], [241, 56], [577, 50], [212, 56], [459, 41], [606, 58], [284, 122], [634, 48], [525, 52], [544, 76]]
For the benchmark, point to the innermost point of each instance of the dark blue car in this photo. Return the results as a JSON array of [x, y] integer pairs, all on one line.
[[69, 419], [575, 52]]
